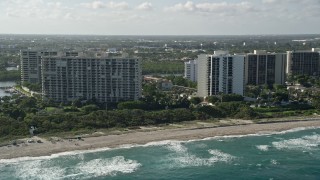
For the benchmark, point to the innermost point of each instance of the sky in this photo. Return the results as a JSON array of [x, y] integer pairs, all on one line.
[[160, 17]]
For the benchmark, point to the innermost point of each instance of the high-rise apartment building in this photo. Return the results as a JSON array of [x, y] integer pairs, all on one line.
[[71, 75], [265, 68], [303, 62], [31, 65], [220, 73], [190, 70]]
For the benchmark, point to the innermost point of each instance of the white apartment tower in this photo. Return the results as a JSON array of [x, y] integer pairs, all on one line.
[[190, 70], [71, 75], [220, 73], [31, 65]]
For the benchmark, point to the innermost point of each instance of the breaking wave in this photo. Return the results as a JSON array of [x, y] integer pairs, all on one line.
[[38, 170], [183, 158], [263, 147], [108, 167], [304, 143]]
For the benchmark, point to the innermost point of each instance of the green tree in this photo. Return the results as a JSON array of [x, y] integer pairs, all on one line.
[[316, 100], [280, 96], [213, 112], [213, 99], [90, 108], [231, 97], [246, 112], [195, 100], [133, 105]]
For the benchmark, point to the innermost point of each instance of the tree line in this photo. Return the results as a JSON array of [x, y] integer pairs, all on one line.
[[18, 114]]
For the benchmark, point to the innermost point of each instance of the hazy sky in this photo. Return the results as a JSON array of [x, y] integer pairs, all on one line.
[[160, 17]]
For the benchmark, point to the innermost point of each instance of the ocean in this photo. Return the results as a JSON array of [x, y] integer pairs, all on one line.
[[5, 84], [292, 154]]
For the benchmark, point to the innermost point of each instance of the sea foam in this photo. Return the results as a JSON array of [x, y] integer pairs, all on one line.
[[183, 158], [77, 153], [189, 159], [220, 156], [263, 147], [38, 170], [108, 167], [304, 143]]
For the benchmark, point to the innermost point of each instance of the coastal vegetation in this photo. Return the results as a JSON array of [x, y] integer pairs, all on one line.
[[162, 67], [180, 81], [9, 75], [18, 114]]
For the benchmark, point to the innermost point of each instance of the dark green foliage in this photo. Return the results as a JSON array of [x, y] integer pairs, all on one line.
[[18, 114], [252, 91], [28, 103], [107, 119], [195, 100], [12, 127], [133, 105], [163, 67], [10, 75], [150, 89], [231, 97], [90, 108], [32, 87], [213, 112], [246, 112], [213, 99], [316, 101], [229, 109], [280, 96], [71, 109], [279, 87], [180, 81]]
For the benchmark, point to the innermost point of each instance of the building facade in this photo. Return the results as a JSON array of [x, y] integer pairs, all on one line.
[[303, 62], [70, 76], [265, 68], [190, 70], [220, 73], [31, 65]]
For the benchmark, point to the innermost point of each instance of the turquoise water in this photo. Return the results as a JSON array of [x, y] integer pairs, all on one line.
[[293, 154]]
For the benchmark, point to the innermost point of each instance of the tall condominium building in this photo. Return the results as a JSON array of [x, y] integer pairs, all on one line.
[[71, 75], [303, 62], [220, 73], [190, 70], [265, 68], [31, 65]]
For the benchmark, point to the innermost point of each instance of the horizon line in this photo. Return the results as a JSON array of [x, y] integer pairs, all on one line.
[[280, 34]]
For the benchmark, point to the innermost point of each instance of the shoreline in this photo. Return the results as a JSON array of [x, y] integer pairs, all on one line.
[[57, 146]]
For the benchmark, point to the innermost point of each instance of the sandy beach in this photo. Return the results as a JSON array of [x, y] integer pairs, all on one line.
[[46, 147]]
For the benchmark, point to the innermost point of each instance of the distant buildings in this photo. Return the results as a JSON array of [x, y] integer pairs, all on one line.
[[190, 70], [303, 62], [68, 76], [265, 68], [220, 73], [225, 73]]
